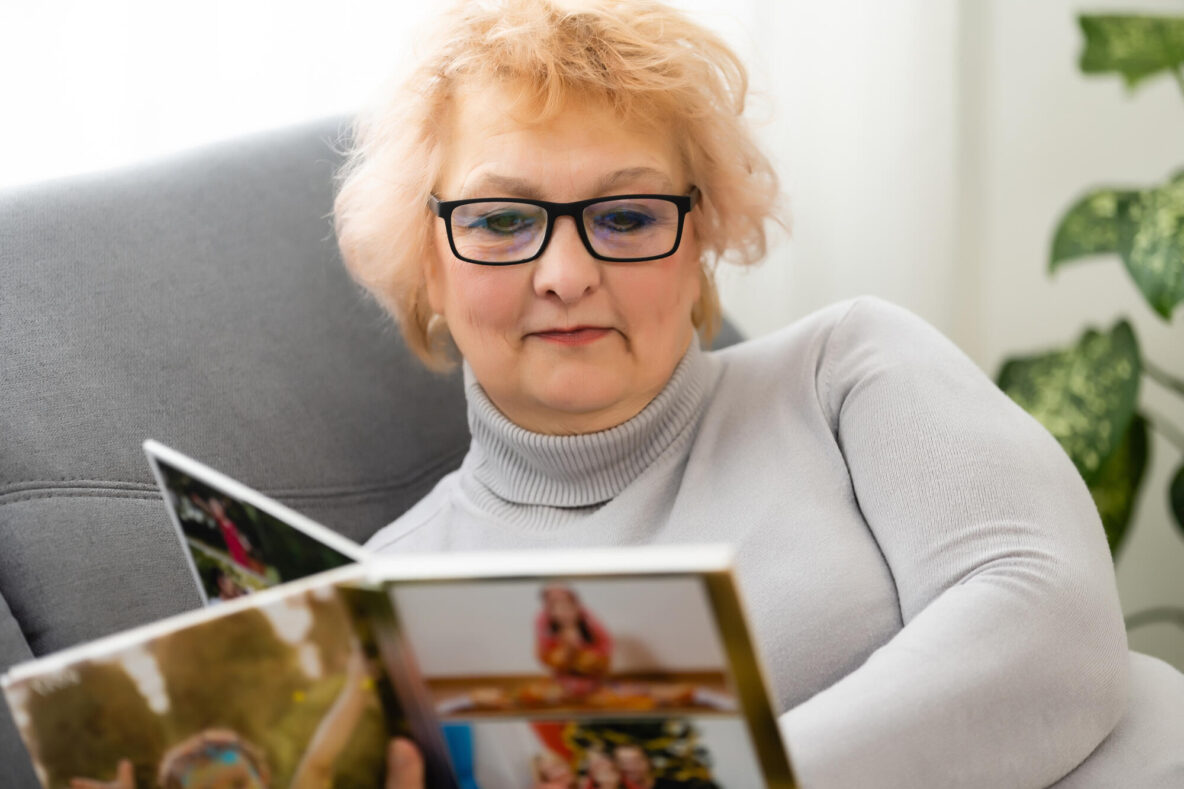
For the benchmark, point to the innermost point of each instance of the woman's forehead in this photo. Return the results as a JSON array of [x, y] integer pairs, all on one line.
[[581, 151]]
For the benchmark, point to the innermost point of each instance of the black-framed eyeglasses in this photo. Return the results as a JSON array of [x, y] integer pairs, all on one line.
[[494, 231]]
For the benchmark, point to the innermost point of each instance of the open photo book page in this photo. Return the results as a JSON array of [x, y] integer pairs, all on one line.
[[282, 689], [236, 540], [612, 668], [626, 667]]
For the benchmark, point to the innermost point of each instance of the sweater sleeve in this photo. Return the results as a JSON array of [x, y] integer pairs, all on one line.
[[1010, 667]]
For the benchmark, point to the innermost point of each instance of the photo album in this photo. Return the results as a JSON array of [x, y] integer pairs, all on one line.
[[614, 668]]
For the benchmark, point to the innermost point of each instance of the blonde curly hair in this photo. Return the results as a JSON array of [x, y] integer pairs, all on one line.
[[649, 63]]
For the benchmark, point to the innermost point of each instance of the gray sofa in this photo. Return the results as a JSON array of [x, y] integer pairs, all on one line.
[[199, 301]]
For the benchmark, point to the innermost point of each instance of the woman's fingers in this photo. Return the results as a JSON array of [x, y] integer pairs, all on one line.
[[404, 765]]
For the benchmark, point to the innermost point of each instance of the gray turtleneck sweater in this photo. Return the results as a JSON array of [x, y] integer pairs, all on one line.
[[924, 570]]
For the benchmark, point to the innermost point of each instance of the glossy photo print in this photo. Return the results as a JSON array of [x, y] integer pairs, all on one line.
[[259, 697], [238, 541], [513, 647], [599, 753]]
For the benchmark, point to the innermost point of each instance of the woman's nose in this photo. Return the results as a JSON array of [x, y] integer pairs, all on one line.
[[566, 270]]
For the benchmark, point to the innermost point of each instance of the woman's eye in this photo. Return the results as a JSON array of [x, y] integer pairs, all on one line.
[[623, 221], [505, 222]]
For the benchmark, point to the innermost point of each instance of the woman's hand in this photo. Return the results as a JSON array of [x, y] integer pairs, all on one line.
[[404, 766], [125, 778]]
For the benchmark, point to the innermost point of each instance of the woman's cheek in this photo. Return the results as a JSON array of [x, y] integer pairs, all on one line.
[[659, 295], [490, 298]]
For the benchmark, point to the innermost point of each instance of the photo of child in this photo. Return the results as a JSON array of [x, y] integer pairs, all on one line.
[[212, 758], [630, 644]]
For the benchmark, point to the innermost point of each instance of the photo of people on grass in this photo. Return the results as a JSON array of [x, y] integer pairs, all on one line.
[[282, 695], [637, 645], [236, 547]]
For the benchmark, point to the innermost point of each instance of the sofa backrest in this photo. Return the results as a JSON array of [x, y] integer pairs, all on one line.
[[200, 301]]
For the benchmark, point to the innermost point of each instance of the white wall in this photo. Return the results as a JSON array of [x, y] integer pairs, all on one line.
[[1036, 135], [93, 85], [855, 104]]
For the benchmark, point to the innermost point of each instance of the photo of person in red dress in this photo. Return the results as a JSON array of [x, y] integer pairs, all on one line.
[[571, 642], [236, 543]]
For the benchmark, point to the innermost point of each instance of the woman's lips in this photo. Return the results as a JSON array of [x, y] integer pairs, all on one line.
[[579, 335]]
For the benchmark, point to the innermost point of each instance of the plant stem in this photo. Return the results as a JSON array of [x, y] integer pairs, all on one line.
[[1166, 429], [1163, 377], [1149, 616], [1178, 73]]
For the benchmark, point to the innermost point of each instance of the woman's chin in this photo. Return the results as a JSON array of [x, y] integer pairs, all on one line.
[[587, 401], [582, 407], [569, 393]]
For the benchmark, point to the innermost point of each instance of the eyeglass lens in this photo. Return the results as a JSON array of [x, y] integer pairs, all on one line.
[[505, 231]]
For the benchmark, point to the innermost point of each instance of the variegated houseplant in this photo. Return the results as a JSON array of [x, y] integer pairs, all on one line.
[[1087, 395]]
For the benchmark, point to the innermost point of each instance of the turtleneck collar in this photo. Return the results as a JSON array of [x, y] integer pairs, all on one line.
[[522, 467]]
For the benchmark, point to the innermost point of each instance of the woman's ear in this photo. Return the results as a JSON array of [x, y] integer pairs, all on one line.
[[433, 279]]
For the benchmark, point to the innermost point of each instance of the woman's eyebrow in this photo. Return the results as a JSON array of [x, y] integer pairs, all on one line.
[[630, 174], [495, 185]]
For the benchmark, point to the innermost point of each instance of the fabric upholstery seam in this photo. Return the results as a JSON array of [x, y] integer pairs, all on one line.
[[47, 488]]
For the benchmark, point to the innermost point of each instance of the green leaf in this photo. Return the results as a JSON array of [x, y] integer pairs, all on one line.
[[1152, 245], [1117, 484], [1085, 395], [1176, 495], [1136, 47], [1145, 227], [1093, 226]]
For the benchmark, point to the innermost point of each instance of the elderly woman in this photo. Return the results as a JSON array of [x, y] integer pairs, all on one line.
[[547, 196]]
